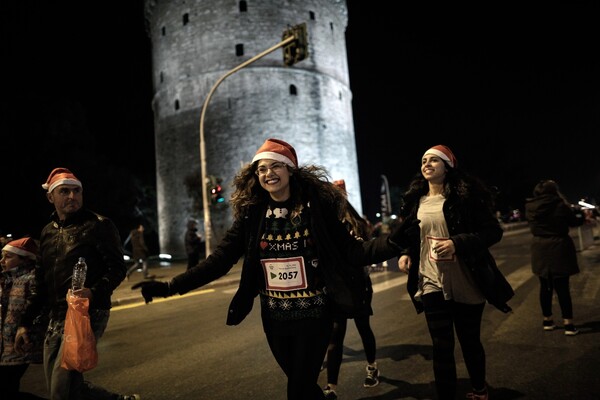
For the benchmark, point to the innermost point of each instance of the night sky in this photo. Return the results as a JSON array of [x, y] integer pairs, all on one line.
[[512, 89]]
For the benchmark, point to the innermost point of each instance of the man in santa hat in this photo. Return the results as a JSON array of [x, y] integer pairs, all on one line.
[[73, 232]]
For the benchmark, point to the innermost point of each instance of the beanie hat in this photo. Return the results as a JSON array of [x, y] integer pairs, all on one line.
[[25, 247], [278, 150], [60, 176], [444, 153]]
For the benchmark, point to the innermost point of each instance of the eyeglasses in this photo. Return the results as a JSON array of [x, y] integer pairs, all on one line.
[[275, 167]]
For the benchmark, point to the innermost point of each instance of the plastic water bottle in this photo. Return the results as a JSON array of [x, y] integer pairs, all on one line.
[[79, 272]]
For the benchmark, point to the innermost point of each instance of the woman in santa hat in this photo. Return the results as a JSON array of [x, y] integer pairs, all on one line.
[[451, 272], [299, 258]]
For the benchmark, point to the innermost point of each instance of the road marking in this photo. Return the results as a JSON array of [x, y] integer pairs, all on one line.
[[516, 279], [142, 303], [390, 283]]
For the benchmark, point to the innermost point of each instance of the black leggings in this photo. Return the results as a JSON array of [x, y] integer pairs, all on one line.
[[300, 354], [335, 351], [443, 317], [547, 288]]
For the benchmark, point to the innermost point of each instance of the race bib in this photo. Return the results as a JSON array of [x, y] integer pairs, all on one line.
[[284, 274]]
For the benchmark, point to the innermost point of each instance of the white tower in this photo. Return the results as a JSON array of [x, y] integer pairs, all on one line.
[[196, 42]]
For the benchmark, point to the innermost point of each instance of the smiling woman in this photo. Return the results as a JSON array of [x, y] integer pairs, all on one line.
[[299, 258]]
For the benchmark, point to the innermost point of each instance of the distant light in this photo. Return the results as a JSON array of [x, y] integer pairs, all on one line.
[[586, 205], [126, 257], [393, 216], [378, 215], [8, 235], [164, 256]]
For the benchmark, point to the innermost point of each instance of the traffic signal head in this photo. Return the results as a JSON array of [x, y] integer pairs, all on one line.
[[297, 49], [215, 193]]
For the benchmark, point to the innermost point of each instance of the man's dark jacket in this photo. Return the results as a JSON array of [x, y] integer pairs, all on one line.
[[83, 234]]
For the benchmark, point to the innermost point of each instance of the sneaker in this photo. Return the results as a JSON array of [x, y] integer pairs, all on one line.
[[329, 393], [372, 378], [570, 330], [130, 397], [478, 394], [549, 325]]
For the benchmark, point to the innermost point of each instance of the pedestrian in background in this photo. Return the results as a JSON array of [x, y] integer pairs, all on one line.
[[72, 232], [17, 284], [298, 257], [553, 254], [361, 230], [193, 244], [139, 252], [444, 262]]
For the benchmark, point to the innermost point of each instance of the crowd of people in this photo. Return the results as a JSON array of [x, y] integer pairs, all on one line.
[[306, 255]]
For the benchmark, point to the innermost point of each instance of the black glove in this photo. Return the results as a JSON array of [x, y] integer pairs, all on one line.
[[152, 289], [406, 233]]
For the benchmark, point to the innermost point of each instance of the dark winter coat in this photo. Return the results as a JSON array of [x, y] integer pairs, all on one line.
[[193, 243], [473, 229], [84, 234], [139, 249], [340, 255], [553, 252]]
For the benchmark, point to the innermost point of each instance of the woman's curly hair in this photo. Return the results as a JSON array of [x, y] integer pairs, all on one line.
[[248, 192]]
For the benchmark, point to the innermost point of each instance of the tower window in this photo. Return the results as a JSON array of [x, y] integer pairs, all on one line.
[[340, 95], [243, 6], [239, 49], [163, 31], [293, 90], [162, 77], [311, 14], [176, 104], [331, 26], [186, 18]]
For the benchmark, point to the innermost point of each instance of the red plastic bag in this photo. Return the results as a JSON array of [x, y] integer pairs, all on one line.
[[79, 343]]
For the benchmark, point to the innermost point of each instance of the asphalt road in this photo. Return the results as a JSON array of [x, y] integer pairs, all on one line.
[[180, 348]]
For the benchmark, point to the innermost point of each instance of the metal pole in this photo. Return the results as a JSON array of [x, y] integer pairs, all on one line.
[[208, 234]]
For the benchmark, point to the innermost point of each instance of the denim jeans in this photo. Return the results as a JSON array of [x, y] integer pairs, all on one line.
[[70, 385]]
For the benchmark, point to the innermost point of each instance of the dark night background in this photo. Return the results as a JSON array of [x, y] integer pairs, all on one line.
[[511, 88]]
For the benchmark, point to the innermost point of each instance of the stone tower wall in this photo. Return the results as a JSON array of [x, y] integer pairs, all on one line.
[[309, 104]]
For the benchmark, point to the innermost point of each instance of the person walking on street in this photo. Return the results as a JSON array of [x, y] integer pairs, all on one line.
[[553, 253], [72, 232], [193, 244], [361, 230], [139, 252], [17, 284], [298, 257], [445, 264]]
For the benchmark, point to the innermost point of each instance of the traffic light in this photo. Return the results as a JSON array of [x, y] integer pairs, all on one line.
[[297, 49], [215, 194]]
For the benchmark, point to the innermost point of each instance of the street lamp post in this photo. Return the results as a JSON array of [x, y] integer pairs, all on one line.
[[295, 50]]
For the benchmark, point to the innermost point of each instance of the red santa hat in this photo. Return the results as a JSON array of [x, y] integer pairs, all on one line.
[[444, 153], [61, 176], [25, 247], [341, 184], [277, 150]]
